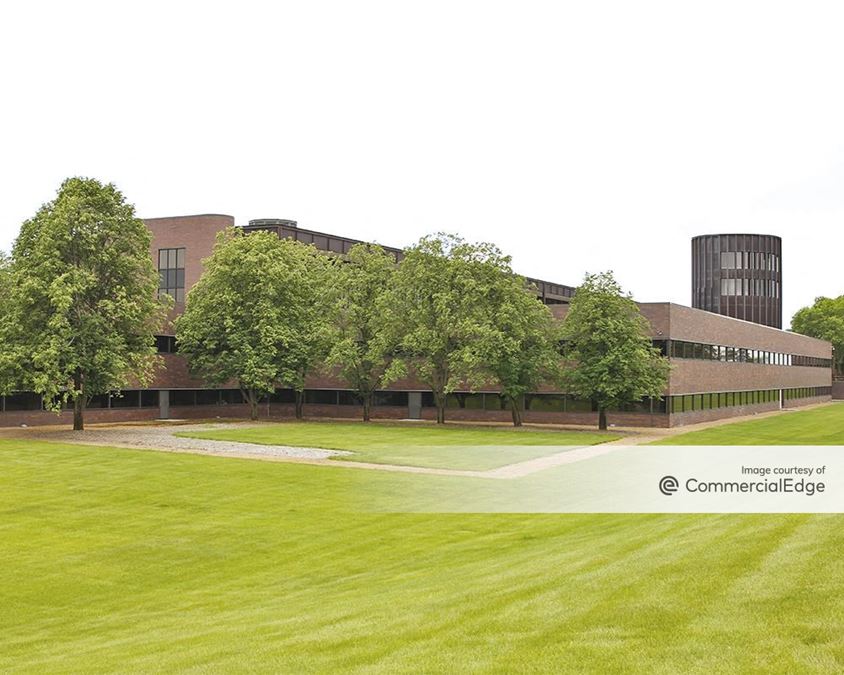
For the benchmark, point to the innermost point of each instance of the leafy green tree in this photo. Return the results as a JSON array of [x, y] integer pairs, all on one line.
[[251, 317], [522, 348], [314, 276], [824, 320], [8, 357], [610, 358], [82, 309], [436, 313], [358, 349]]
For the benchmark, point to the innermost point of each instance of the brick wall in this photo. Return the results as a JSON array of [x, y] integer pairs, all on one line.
[[692, 376], [196, 234]]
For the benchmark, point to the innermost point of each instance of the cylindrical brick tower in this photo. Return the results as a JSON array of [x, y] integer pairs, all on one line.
[[738, 275]]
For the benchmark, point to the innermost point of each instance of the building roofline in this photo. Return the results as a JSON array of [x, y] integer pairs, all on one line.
[[732, 318], [737, 234], [388, 248], [192, 215]]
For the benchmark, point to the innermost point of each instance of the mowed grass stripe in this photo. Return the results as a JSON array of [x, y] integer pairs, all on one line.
[[417, 444], [131, 560], [823, 425]]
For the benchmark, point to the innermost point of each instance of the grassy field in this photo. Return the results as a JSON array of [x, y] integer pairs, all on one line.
[[414, 445], [818, 426], [129, 560]]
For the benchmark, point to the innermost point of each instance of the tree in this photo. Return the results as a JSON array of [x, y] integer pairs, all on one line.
[[610, 358], [82, 309], [8, 357], [358, 349], [313, 279], [436, 313], [824, 320], [250, 317], [523, 346]]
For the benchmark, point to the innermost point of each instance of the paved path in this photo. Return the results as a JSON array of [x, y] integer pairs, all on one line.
[[163, 438]]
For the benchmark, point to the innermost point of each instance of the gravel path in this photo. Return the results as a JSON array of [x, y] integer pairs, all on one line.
[[164, 438]]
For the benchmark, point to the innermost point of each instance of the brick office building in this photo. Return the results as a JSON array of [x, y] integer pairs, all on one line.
[[721, 366]]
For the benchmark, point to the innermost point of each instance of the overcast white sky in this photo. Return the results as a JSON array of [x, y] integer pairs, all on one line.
[[577, 136]]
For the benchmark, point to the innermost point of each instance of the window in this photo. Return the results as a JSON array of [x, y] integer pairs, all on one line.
[[166, 344], [391, 398], [231, 396], [21, 401], [149, 399], [278, 396], [465, 400], [321, 396], [171, 273], [125, 399], [208, 397], [495, 402], [728, 261], [346, 397], [182, 397]]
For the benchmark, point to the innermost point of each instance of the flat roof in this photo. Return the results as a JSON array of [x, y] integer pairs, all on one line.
[[548, 289]]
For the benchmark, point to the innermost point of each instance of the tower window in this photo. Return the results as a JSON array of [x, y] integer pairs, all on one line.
[[171, 273]]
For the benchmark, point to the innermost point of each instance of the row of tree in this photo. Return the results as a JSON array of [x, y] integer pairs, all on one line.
[[452, 314], [80, 316]]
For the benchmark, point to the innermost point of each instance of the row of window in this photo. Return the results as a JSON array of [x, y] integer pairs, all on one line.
[[750, 260], [680, 349], [128, 399], [765, 288], [458, 400], [677, 349], [561, 403], [729, 399]]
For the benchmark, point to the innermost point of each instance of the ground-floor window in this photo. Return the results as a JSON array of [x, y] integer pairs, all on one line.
[[729, 399]]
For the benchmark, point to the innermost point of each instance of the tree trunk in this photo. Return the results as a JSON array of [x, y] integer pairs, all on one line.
[[439, 402], [367, 406], [602, 419], [516, 410], [300, 405], [78, 403], [253, 405]]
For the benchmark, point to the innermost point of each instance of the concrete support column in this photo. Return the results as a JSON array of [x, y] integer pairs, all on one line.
[[164, 404], [414, 405]]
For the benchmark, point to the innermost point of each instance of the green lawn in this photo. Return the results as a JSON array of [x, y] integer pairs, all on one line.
[[818, 426], [130, 560], [413, 444]]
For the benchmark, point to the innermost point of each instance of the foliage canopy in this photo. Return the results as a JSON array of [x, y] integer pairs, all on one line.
[[610, 358], [81, 310], [256, 316], [824, 320]]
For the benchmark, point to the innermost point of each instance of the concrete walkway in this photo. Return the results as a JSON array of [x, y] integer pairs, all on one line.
[[162, 438]]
